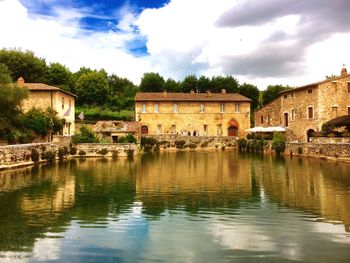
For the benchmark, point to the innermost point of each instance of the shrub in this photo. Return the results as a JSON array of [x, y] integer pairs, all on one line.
[[103, 151], [180, 144], [61, 153], [130, 153], [122, 139], [72, 150], [278, 143], [115, 154], [204, 144], [267, 136], [223, 148], [300, 149], [250, 136], [48, 156], [35, 156], [85, 135], [147, 148], [258, 137], [192, 145], [148, 141], [82, 152], [130, 138], [242, 144]]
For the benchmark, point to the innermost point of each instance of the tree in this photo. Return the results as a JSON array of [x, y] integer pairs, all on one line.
[[60, 76], [24, 64], [189, 84], [204, 84], [252, 92], [171, 85], [37, 121], [272, 93], [229, 83], [92, 89], [152, 82], [4, 74]]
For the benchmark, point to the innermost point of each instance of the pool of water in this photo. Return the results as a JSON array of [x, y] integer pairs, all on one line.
[[177, 207]]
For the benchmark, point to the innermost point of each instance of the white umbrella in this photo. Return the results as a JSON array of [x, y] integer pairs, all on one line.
[[275, 129], [256, 129]]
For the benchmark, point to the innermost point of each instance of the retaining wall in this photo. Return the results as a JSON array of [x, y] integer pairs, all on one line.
[[336, 150]]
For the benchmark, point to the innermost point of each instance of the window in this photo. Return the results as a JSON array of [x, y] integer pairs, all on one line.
[[261, 119], [156, 108], [285, 96], [159, 128], [201, 108], [334, 111], [143, 107], [219, 129], [310, 112], [237, 107], [70, 103], [285, 119], [294, 114], [173, 128], [205, 128], [62, 103], [292, 95], [175, 109], [222, 107], [309, 91]]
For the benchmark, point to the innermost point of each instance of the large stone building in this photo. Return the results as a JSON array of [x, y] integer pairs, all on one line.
[[207, 114], [305, 109], [43, 96]]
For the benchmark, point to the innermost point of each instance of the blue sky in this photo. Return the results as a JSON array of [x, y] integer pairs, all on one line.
[[260, 42]]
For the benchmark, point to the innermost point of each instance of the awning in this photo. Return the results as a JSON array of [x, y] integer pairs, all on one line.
[[340, 121]]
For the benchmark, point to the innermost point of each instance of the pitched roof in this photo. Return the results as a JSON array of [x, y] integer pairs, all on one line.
[[45, 87], [165, 96], [117, 126]]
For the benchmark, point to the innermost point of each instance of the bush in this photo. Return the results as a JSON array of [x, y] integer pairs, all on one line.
[[192, 145], [103, 151], [122, 139], [61, 153], [130, 153], [85, 135], [35, 156], [223, 148], [300, 150], [180, 144], [49, 156], [278, 143], [82, 152], [250, 136], [130, 138], [115, 154], [204, 144], [148, 141], [72, 150], [147, 148], [242, 144]]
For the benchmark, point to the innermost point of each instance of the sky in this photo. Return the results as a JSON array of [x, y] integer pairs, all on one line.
[[262, 42]]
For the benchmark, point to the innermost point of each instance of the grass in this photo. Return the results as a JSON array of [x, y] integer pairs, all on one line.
[[98, 113]]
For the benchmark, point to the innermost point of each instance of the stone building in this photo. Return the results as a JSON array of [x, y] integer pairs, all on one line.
[[305, 109], [209, 114], [43, 96], [112, 130]]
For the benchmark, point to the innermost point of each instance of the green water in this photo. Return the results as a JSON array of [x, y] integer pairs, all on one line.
[[177, 207]]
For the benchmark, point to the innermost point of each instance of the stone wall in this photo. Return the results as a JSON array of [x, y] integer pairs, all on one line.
[[107, 149], [168, 140], [333, 150], [62, 140], [330, 140]]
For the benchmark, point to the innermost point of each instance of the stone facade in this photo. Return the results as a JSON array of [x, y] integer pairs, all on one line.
[[217, 114], [111, 149], [307, 108], [43, 96]]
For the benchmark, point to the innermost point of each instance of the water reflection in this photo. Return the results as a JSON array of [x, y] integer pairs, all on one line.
[[201, 207]]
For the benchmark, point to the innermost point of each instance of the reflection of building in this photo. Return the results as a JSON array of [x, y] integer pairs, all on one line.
[[304, 109], [112, 130], [212, 114], [43, 96]]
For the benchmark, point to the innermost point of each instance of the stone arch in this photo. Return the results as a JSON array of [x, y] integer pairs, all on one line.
[[309, 133], [144, 129], [232, 127]]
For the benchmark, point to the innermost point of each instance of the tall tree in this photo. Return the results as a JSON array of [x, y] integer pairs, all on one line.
[[272, 93], [92, 89], [204, 84], [190, 83], [24, 64], [252, 92], [4, 74], [152, 82], [229, 83], [171, 85], [60, 76]]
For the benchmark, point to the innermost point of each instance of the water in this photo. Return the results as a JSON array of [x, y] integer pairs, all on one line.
[[177, 207]]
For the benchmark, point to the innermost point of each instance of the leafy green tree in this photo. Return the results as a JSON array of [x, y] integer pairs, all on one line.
[[85, 135], [278, 143], [5, 77], [117, 85], [92, 89], [152, 82], [171, 85], [229, 83], [60, 76], [252, 92], [189, 83], [272, 93], [24, 64], [37, 121], [204, 84]]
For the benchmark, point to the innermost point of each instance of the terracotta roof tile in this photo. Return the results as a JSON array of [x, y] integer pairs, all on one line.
[[162, 96], [45, 87]]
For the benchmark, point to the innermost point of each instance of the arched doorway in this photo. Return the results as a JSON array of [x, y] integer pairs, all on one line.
[[309, 134], [232, 131], [233, 127], [144, 129]]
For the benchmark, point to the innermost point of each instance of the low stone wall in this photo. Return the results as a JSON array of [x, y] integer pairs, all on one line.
[[334, 150], [168, 140], [62, 140], [21, 153], [330, 140], [106, 149]]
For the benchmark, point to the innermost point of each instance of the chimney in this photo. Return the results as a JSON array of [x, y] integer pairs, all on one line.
[[20, 82], [192, 90], [344, 72], [208, 93], [223, 91], [164, 93]]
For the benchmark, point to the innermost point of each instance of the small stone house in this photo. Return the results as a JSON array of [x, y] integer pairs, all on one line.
[[43, 96], [199, 114], [113, 130], [303, 110]]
